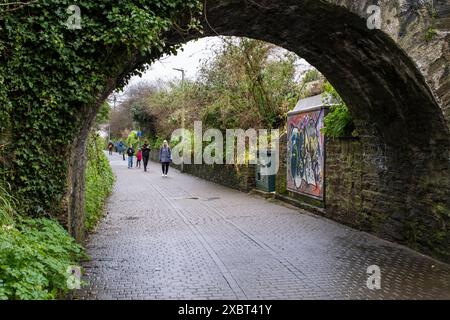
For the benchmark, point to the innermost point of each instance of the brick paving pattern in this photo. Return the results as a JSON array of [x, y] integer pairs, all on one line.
[[185, 238]]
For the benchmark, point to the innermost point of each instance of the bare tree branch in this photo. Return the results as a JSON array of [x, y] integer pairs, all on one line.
[[16, 5]]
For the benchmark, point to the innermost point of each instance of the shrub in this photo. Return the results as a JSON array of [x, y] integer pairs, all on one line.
[[35, 253], [34, 257], [338, 122], [132, 139], [99, 181], [157, 142]]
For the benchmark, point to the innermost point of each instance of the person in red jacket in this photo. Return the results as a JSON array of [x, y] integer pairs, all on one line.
[[139, 158]]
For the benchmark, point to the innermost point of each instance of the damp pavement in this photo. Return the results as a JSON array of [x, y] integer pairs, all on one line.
[[181, 237]]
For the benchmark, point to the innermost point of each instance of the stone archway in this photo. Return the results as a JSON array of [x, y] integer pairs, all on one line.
[[395, 80]]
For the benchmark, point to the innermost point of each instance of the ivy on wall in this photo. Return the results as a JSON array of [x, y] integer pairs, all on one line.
[[48, 72]]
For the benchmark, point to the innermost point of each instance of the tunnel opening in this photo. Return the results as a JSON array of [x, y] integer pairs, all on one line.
[[404, 134]]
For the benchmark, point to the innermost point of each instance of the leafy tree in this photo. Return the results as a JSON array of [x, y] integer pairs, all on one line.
[[246, 84], [251, 82], [311, 75], [103, 114], [121, 122], [132, 139]]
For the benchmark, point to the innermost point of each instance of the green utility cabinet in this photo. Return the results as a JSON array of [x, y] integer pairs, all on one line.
[[264, 182]]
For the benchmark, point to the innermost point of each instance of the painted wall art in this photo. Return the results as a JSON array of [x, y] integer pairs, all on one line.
[[306, 154]]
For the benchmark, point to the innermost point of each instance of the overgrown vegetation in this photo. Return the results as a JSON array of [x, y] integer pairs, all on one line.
[[132, 139], [34, 254], [99, 180], [338, 122], [51, 74], [430, 34], [246, 84]]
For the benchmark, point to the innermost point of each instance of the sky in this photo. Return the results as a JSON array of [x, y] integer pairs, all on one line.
[[188, 58]]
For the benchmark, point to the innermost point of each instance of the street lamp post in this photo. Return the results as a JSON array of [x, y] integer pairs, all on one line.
[[109, 127], [183, 110]]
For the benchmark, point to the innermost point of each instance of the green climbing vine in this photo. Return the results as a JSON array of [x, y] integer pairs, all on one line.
[[49, 74]]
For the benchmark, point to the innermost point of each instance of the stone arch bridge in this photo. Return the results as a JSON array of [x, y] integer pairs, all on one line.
[[395, 79]]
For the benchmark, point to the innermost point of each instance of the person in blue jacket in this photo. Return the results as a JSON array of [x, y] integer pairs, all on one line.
[[165, 157], [122, 149]]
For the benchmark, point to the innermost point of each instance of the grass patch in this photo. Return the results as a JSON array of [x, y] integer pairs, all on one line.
[[7, 204]]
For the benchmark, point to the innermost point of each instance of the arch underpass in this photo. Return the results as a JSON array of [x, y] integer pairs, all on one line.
[[395, 81]]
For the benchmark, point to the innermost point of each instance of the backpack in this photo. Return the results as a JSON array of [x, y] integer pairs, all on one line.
[[145, 150]]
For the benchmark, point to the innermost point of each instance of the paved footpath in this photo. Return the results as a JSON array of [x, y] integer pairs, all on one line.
[[185, 238]]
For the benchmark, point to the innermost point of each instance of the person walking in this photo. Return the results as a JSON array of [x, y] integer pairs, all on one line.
[[145, 154], [138, 158], [122, 149], [110, 147], [165, 157], [130, 153]]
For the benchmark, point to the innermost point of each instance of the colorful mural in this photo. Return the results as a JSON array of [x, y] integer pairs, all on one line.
[[306, 153]]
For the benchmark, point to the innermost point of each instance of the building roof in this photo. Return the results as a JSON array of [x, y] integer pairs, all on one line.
[[311, 103]]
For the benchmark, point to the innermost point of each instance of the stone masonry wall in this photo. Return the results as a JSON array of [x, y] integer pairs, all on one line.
[[344, 182], [351, 187], [355, 197]]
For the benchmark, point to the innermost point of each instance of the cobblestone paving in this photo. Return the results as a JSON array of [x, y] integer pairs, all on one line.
[[185, 238]]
